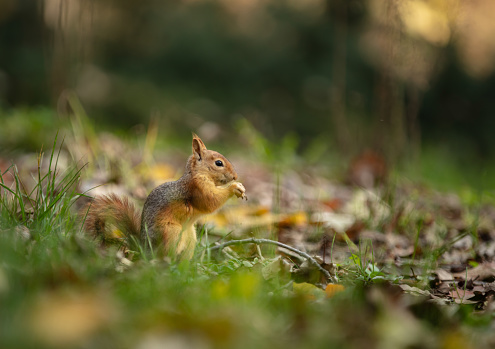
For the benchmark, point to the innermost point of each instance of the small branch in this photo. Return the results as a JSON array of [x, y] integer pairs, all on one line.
[[272, 242]]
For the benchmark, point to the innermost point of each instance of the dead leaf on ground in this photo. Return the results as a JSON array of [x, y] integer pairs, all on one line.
[[248, 216], [332, 289], [482, 272], [443, 275], [274, 268], [339, 222], [296, 219], [461, 296], [308, 291], [65, 319], [415, 291]]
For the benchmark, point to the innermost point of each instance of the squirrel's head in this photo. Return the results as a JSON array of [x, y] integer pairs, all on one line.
[[210, 163]]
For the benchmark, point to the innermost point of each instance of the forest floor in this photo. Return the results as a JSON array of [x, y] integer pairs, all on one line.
[[409, 266]]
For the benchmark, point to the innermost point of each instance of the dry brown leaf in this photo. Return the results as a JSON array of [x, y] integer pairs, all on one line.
[[444, 275], [481, 272], [461, 296], [333, 204]]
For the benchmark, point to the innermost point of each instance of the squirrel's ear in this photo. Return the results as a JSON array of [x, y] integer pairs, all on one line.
[[198, 147]]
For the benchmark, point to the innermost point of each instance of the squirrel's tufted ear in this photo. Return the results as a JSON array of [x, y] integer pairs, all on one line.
[[198, 147]]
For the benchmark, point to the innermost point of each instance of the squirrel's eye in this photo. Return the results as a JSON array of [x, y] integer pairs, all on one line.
[[219, 163]]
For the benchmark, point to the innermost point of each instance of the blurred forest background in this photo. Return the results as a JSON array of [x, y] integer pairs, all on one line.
[[392, 76]]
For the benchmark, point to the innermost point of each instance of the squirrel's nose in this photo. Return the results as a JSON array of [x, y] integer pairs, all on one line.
[[235, 177]]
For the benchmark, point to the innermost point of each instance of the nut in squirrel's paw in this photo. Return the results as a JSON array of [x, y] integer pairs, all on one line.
[[239, 190]]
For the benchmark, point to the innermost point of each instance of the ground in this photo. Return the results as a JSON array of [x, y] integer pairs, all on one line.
[[409, 265]]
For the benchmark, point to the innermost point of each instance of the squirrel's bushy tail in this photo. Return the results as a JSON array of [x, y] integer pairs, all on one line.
[[112, 211]]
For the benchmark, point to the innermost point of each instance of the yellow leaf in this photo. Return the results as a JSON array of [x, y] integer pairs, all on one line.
[[261, 210], [157, 173], [333, 289], [247, 216], [62, 320], [307, 291], [294, 219]]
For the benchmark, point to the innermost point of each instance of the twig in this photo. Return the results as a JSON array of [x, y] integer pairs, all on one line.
[[272, 242]]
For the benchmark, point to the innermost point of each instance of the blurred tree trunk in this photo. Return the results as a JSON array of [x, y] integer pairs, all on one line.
[[338, 93], [389, 131], [69, 46], [414, 131], [60, 53]]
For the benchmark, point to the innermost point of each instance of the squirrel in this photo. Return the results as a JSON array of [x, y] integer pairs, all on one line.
[[171, 209]]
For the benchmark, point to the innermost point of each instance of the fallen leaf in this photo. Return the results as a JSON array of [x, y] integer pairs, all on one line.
[[415, 291], [158, 173], [297, 219], [333, 204], [247, 216], [308, 291], [272, 269], [62, 320], [444, 275], [332, 289], [367, 205], [462, 296], [339, 222], [481, 272]]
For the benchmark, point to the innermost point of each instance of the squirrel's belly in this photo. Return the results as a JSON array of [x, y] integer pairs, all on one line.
[[187, 241]]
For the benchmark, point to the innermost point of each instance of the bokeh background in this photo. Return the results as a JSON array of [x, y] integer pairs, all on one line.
[[305, 97], [402, 78]]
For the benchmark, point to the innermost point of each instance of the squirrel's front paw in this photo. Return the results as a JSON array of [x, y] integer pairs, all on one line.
[[239, 190]]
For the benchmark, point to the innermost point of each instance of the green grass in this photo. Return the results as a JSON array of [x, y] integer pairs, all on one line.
[[439, 167], [48, 203], [28, 128]]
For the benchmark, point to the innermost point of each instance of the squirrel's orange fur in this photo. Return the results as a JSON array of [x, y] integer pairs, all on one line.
[[172, 208]]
